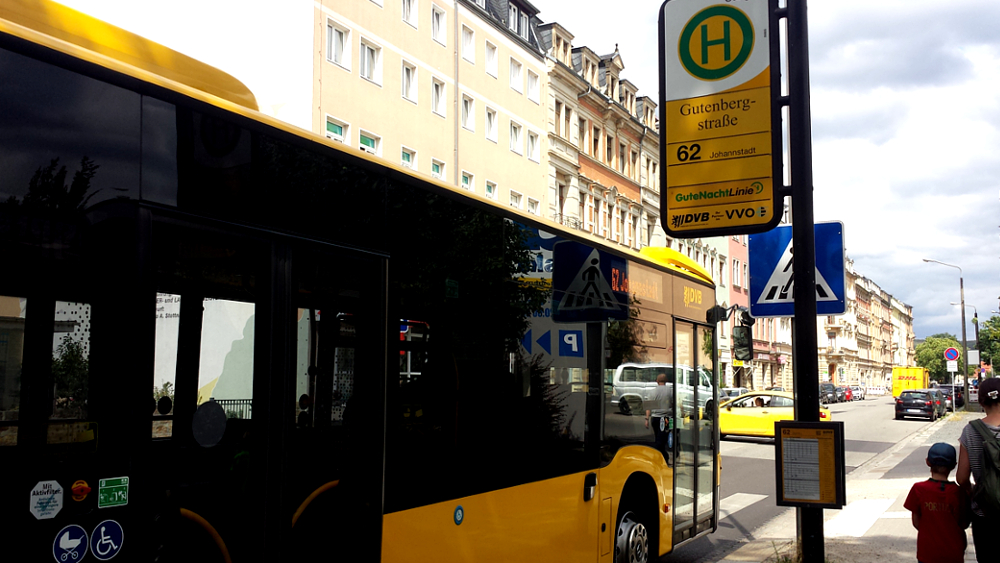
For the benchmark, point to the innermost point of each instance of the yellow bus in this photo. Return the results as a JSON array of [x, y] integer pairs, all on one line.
[[348, 360]]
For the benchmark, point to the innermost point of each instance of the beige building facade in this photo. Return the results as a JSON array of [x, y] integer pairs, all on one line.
[[454, 89]]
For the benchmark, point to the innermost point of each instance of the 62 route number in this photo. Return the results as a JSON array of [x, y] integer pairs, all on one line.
[[688, 152]]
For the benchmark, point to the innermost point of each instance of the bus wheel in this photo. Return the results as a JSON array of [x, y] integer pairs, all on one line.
[[632, 542]]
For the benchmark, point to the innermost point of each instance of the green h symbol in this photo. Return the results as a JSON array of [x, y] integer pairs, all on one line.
[[705, 43]]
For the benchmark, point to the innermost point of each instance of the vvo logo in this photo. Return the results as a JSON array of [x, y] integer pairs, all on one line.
[[687, 218]]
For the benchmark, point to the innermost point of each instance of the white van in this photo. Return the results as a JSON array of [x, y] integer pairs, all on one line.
[[634, 383]]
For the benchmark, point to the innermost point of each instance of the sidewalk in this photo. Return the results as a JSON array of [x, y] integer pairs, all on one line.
[[873, 526]]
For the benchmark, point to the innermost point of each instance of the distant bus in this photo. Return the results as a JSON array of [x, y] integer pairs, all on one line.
[[224, 338]]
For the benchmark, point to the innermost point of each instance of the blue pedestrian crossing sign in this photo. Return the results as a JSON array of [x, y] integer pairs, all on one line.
[[582, 284], [771, 274]]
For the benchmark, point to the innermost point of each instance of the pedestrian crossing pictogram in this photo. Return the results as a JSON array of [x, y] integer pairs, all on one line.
[[780, 285], [589, 289]]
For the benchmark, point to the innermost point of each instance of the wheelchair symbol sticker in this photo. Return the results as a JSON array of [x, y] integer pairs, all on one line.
[[70, 544], [106, 540]]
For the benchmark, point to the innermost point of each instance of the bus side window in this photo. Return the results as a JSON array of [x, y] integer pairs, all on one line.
[[12, 315]]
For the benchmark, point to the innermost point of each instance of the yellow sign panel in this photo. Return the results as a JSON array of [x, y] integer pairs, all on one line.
[[808, 457], [719, 173]]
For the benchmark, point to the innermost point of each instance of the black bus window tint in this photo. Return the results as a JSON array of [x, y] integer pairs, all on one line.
[[168, 309], [324, 382], [72, 140], [12, 311], [70, 361], [226, 374]]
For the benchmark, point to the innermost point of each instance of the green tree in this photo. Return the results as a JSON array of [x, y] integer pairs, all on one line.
[[930, 355], [989, 340], [624, 340]]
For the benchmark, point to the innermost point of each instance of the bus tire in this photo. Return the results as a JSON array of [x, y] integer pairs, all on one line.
[[631, 539]]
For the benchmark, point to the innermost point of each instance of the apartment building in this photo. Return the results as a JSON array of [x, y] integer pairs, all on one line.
[[454, 89], [603, 145]]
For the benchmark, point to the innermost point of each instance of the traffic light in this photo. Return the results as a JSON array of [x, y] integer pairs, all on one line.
[[742, 349]]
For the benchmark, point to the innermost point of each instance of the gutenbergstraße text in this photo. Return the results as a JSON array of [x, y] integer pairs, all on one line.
[[705, 108]]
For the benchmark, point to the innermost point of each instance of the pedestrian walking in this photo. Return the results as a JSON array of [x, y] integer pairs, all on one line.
[[939, 510], [971, 463], [659, 414]]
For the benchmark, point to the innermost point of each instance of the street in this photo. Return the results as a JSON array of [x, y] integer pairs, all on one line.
[[747, 494]]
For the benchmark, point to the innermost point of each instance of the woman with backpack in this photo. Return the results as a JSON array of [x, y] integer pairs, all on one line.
[[971, 461]]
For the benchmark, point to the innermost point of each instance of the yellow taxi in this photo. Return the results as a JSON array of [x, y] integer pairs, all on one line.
[[755, 413]]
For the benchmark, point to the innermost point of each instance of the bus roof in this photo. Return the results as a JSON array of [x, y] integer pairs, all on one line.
[[65, 24], [66, 30]]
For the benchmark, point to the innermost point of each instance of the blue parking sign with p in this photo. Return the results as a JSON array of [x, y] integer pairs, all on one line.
[[571, 343]]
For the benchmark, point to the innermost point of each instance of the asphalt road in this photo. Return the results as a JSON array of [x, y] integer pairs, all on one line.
[[748, 481]]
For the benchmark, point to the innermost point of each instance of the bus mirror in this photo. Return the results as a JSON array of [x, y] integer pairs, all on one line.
[[741, 343]]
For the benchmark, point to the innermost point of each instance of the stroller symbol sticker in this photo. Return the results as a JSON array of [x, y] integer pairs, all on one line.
[[70, 544], [106, 540]]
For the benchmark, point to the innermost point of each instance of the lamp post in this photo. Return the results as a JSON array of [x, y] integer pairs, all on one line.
[[965, 351]]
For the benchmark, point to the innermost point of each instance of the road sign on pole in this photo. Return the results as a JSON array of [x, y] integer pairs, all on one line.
[[771, 273], [720, 140], [951, 354]]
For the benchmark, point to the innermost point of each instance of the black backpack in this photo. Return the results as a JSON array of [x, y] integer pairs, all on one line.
[[986, 493]]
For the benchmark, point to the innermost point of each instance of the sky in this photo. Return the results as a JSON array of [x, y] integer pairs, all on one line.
[[905, 105]]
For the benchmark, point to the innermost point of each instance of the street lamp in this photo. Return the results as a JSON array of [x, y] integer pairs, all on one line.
[[965, 351]]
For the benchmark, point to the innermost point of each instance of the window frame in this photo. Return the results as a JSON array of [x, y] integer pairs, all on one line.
[[537, 206], [469, 47], [471, 184], [439, 102], [514, 63], [491, 194], [533, 152], [520, 199], [377, 139], [534, 93], [492, 66], [515, 126], [414, 88], [345, 130], [468, 113], [441, 165], [440, 35], [491, 132], [332, 25], [413, 157], [414, 12], [376, 74]]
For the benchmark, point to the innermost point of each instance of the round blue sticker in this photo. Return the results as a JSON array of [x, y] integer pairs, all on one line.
[[70, 544], [459, 515], [106, 540]]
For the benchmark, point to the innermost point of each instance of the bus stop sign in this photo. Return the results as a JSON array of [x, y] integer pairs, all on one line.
[[720, 141]]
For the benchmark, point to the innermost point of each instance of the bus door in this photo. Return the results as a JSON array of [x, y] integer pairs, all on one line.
[[333, 460], [695, 445]]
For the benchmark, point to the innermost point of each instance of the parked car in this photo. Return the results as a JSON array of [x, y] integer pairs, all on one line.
[[858, 392], [848, 394], [827, 393], [953, 395], [774, 389], [924, 403], [633, 385], [841, 394], [754, 414]]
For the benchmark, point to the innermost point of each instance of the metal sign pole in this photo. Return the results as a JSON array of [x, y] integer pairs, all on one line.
[[809, 520]]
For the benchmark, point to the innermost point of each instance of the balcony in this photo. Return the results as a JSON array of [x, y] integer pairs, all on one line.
[[571, 222]]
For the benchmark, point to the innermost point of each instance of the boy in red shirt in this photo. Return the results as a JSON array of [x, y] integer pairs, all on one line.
[[941, 510]]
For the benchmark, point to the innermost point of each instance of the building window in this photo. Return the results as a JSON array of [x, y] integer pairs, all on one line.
[[369, 143], [516, 82], [491, 124], [337, 130], [338, 44], [533, 206], [468, 113], [491, 59], [558, 119], [409, 81], [533, 149], [437, 97], [609, 149], [491, 189], [523, 31], [437, 24], [515, 138], [481, 4], [468, 181], [512, 17], [534, 89], [410, 12], [736, 273], [582, 133], [468, 45], [596, 138], [621, 158], [746, 276], [515, 199], [370, 62], [437, 168], [408, 158]]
